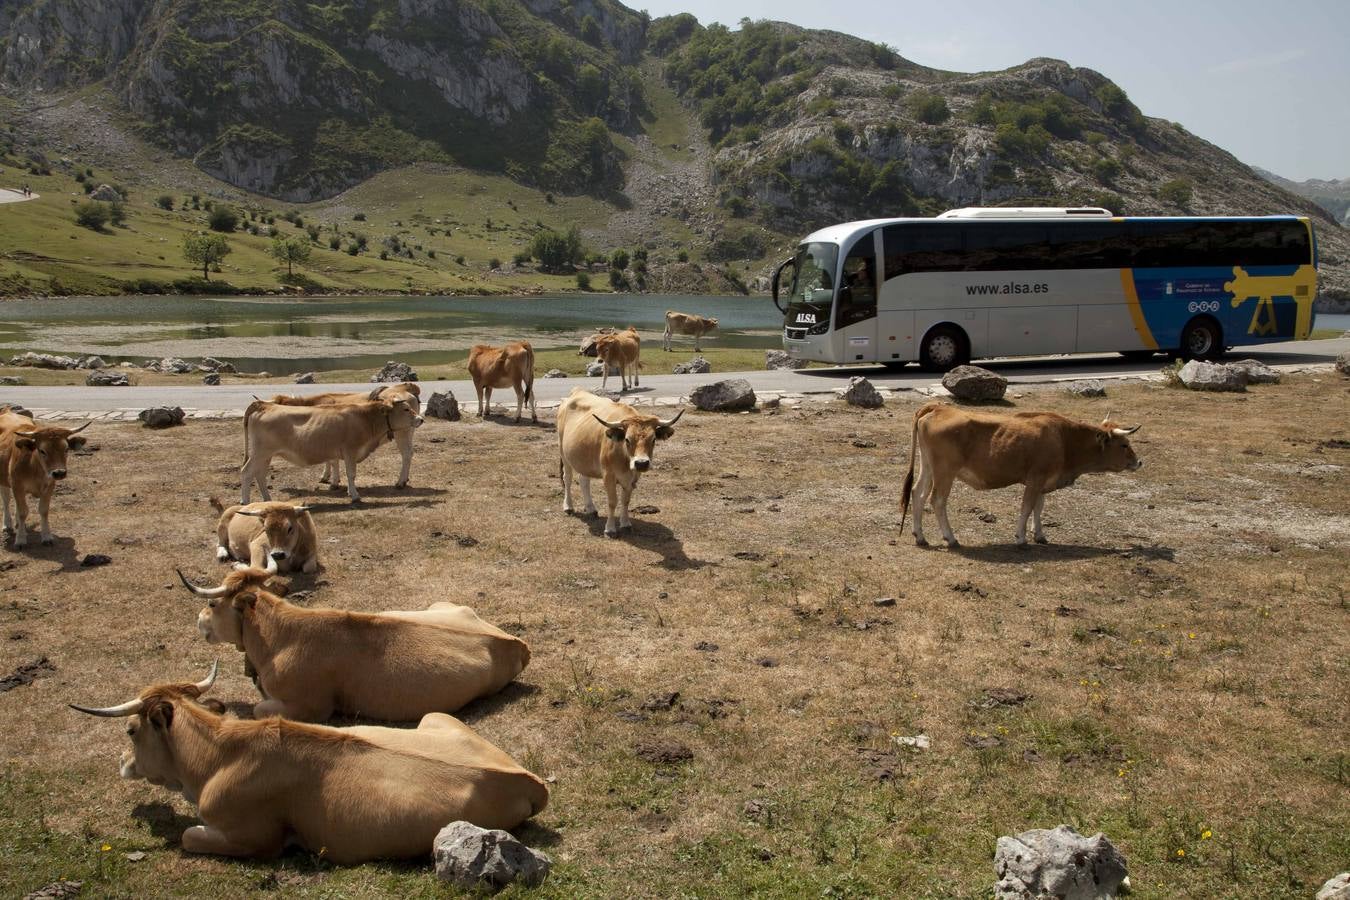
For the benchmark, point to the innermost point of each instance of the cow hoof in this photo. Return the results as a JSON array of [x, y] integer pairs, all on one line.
[[611, 534], [1041, 539], [47, 542], [953, 543], [399, 487], [920, 542], [335, 487]]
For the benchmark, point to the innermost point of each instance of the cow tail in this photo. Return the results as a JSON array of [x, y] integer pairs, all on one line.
[[907, 491], [529, 372], [248, 414]]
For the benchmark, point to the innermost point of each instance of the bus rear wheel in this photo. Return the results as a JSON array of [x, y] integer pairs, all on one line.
[[1202, 338], [944, 348]]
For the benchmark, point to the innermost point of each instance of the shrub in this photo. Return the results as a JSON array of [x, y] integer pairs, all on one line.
[[223, 219], [359, 217], [431, 254], [640, 253], [335, 242], [312, 231], [617, 281], [352, 250], [520, 258], [459, 260], [384, 254], [555, 251], [117, 213], [164, 201], [1177, 191], [619, 259], [683, 256], [1106, 170], [843, 134], [273, 231], [494, 263], [361, 241], [1095, 139], [88, 187], [928, 108], [92, 215], [583, 281]]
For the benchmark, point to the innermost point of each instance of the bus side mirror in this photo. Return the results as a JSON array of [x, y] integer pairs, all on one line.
[[777, 273], [845, 295]]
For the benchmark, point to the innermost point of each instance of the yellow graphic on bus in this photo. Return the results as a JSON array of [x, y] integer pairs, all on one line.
[[1301, 286]]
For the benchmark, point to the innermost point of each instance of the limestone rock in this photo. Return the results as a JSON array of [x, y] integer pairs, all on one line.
[[860, 392], [175, 366], [1090, 388], [44, 361], [587, 347], [555, 373], [1199, 375], [12, 380], [307, 378], [1255, 371], [212, 363], [1336, 888], [1059, 863], [92, 362], [226, 368], [211, 379], [974, 383], [106, 193], [779, 359], [731, 395], [394, 373], [443, 406], [696, 366], [161, 416], [1343, 363], [597, 368], [472, 857], [104, 378]]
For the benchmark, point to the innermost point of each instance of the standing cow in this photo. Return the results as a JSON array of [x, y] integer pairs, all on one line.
[[348, 794], [598, 438], [407, 390], [255, 533], [500, 367], [620, 350], [687, 323], [1042, 450], [32, 461]]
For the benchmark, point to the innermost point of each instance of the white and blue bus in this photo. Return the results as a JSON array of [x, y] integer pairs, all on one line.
[[1024, 282]]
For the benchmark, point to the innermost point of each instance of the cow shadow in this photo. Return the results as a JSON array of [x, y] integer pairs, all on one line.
[[384, 490], [508, 418], [61, 550], [652, 536], [487, 706], [1015, 553], [163, 820]]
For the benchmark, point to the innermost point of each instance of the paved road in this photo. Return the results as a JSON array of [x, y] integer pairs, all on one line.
[[1039, 370], [9, 195]]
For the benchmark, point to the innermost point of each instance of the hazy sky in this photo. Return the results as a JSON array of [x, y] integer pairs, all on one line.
[[1267, 80]]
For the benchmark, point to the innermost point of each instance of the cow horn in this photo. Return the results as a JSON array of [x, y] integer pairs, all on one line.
[[248, 512], [1122, 432], [201, 591], [300, 509], [205, 684], [1107, 420], [664, 423], [608, 424], [81, 428], [130, 708], [25, 434]]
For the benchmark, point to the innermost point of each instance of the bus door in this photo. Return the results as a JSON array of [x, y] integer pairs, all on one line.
[[855, 309]]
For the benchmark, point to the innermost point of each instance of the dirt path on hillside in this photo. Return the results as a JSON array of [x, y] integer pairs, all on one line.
[[9, 195]]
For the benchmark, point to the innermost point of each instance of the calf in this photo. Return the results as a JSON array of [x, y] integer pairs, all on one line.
[[621, 351], [32, 461], [598, 438], [252, 534], [687, 323], [499, 367], [1043, 451], [346, 794]]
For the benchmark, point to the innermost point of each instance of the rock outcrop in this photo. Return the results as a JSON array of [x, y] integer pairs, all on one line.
[[1059, 863]]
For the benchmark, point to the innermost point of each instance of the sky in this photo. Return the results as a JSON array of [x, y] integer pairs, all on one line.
[[1267, 81]]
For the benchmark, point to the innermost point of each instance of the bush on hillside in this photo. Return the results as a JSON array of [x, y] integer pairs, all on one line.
[[930, 109], [92, 215], [1177, 191], [223, 219]]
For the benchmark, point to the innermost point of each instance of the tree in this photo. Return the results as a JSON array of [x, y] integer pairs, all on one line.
[[92, 215], [1177, 191], [556, 251], [290, 251], [619, 260], [223, 219], [930, 109], [164, 201], [205, 250]]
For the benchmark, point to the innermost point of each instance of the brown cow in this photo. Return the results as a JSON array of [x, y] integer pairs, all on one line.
[[598, 438], [687, 323], [1042, 450], [32, 461], [310, 435], [409, 390], [619, 350], [348, 794], [271, 529], [395, 665], [499, 367]]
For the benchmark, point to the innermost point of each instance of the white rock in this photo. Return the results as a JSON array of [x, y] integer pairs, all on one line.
[[473, 857], [975, 383], [914, 742], [1058, 863], [861, 392], [443, 406], [1199, 375], [732, 395], [1336, 888], [1255, 371]]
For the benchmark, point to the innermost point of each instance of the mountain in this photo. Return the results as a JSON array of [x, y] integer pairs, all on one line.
[[792, 128], [1333, 196]]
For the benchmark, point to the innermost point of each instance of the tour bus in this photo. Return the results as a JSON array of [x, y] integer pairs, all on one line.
[[987, 282]]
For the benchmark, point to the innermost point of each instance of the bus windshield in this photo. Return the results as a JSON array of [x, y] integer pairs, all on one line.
[[812, 292]]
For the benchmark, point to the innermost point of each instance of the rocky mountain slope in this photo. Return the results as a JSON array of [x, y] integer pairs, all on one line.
[[1333, 196], [298, 101]]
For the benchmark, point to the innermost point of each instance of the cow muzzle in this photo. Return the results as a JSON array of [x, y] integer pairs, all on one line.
[[59, 474], [641, 464], [1136, 465], [126, 767], [204, 627], [279, 555]]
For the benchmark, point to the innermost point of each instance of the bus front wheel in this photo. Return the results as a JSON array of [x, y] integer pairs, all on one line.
[[944, 348], [1202, 338]]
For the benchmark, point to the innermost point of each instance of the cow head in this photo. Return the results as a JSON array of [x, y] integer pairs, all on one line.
[[47, 446], [1114, 442], [712, 323], [281, 522], [152, 755], [404, 410], [638, 436], [221, 621]]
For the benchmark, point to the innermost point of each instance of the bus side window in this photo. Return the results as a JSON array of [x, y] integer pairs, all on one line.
[[858, 291]]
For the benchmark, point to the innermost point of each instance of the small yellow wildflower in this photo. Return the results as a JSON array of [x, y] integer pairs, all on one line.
[[1181, 853], [1120, 774], [1206, 835], [105, 848], [1191, 635]]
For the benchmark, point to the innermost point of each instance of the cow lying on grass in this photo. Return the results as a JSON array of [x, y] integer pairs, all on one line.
[[32, 461], [1043, 451], [598, 438], [408, 391], [395, 665], [350, 794], [271, 529]]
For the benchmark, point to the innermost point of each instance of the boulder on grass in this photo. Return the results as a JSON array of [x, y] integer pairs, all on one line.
[[1343, 363], [696, 366], [472, 857], [92, 362], [1199, 375], [104, 378], [861, 392], [307, 378], [1336, 888], [443, 406], [161, 416], [1058, 863], [597, 368], [732, 395], [1255, 371], [394, 373], [555, 373], [211, 379], [13, 380], [1090, 388], [779, 359], [175, 365], [106, 193], [975, 384], [44, 361]]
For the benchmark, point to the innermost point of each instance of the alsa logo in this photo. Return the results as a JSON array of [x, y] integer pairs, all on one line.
[[806, 318]]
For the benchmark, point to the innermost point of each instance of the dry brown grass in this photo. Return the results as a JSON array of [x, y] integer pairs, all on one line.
[[1182, 645]]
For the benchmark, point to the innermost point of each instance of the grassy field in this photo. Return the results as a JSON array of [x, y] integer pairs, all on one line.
[[1173, 670]]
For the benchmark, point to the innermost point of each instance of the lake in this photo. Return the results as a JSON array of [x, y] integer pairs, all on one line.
[[286, 335]]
